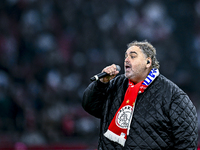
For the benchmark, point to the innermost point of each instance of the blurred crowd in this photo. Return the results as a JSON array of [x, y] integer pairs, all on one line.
[[49, 49]]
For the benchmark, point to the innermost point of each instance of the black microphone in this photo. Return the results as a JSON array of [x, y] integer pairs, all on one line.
[[103, 74]]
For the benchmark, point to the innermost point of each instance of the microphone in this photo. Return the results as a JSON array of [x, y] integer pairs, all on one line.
[[103, 74]]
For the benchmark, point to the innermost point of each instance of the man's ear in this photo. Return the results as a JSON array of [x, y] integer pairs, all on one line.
[[149, 63]]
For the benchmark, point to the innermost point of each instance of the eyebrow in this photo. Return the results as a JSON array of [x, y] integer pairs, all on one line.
[[131, 52]]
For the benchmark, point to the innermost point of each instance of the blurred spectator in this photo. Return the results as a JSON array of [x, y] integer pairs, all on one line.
[[20, 146]]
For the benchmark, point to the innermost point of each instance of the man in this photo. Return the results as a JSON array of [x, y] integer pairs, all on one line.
[[141, 109]]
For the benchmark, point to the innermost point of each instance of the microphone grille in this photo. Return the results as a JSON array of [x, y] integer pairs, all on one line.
[[118, 67]]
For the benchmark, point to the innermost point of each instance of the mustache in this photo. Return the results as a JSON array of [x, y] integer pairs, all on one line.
[[127, 64]]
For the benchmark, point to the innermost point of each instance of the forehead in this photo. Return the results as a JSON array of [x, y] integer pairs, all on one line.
[[133, 50]]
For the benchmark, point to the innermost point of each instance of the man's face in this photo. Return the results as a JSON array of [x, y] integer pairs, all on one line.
[[135, 64]]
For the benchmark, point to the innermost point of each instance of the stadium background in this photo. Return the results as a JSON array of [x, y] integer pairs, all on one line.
[[49, 49]]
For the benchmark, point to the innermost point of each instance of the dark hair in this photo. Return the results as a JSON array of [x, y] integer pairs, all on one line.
[[148, 49]]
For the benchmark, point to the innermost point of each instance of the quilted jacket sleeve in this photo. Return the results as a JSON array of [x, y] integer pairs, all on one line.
[[184, 123], [94, 97]]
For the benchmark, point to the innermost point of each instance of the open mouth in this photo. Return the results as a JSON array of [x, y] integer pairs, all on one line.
[[127, 67]]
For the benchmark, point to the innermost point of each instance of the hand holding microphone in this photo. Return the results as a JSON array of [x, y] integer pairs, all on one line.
[[107, 73]]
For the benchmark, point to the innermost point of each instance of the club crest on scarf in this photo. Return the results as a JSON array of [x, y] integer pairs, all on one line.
[[123, 117], [118, 129]]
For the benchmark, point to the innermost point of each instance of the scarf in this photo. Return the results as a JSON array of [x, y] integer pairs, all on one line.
[[119, 127]]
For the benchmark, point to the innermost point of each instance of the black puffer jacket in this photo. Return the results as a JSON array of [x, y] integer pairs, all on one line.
[[164, 117]]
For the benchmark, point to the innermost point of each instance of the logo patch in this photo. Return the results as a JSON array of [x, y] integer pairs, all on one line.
[[123, 117]]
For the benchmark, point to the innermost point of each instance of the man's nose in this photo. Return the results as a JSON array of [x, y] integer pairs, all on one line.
[[126, 59]]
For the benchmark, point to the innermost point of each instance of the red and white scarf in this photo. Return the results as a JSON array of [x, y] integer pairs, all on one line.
[[118, 129]]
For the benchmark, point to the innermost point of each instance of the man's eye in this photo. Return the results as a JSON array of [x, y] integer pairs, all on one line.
[[129, 56]]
